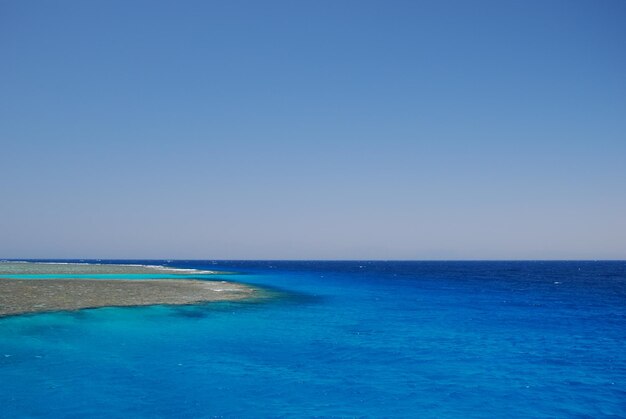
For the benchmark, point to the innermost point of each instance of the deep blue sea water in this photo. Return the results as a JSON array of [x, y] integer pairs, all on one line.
[[346, 339]]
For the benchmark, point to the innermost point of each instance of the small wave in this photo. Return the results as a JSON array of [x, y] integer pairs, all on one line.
[[167, 268]]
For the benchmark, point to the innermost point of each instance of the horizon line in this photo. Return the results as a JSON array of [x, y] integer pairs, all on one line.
[[306, 260]]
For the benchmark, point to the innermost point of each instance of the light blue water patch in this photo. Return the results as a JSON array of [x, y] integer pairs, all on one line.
[[354, 339]]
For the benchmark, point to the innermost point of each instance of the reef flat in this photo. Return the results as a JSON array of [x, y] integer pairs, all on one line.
[[18, 296], [67, 268], [62, 290]]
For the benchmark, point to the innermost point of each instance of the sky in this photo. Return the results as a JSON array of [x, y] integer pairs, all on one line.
[[313, 129]]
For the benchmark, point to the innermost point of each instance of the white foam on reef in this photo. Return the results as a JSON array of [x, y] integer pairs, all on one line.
[[64, 263], [167, 268]]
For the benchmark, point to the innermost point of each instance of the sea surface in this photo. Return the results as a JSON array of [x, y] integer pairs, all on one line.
[[342, 339]]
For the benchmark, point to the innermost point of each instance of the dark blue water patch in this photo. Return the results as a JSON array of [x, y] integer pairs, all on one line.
[[354, 339]]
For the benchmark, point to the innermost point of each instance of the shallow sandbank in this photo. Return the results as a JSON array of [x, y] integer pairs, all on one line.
[[18, 296]]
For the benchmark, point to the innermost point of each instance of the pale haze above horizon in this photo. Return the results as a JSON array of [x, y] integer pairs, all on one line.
[[313, 129]]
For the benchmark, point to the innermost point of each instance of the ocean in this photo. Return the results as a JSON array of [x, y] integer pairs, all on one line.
[[340, 339]]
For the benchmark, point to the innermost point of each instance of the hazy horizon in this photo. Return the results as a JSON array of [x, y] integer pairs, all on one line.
[[313, 130], [130, 261]]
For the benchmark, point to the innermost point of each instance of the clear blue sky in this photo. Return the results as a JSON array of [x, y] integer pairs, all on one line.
[[313, 129]]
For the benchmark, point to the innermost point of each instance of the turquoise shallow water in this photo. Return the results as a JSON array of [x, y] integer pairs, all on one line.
[[374, 339]]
